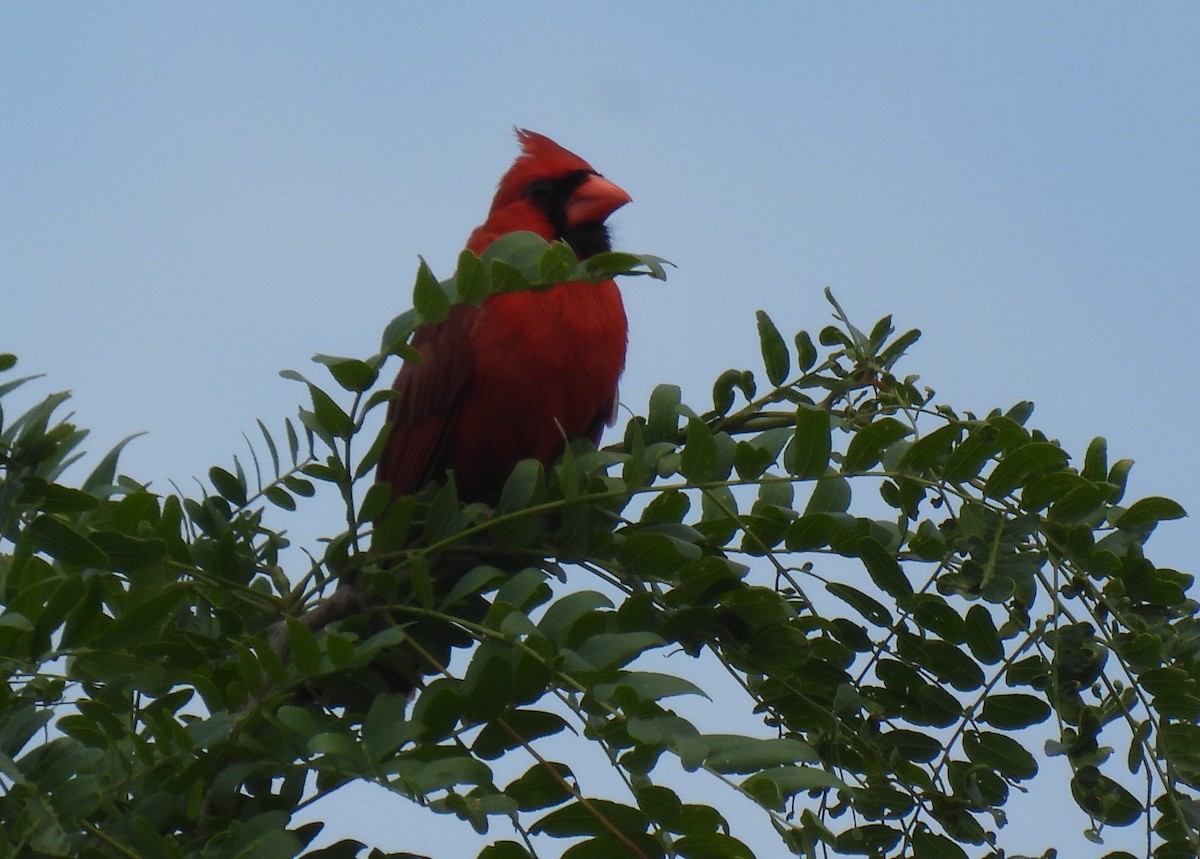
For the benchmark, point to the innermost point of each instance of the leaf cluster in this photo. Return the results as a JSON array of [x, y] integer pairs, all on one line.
[[901, 595]]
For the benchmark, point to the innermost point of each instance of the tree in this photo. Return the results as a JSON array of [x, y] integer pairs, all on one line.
[[900, 593]]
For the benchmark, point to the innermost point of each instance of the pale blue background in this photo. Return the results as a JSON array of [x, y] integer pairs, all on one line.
[[195, 196]]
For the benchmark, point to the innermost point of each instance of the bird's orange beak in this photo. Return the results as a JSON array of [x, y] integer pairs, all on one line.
[[595, 200]]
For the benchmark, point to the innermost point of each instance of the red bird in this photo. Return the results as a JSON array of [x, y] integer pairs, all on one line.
[[517, 376]]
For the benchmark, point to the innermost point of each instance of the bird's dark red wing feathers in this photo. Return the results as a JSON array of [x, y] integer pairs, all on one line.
[[427, 393]]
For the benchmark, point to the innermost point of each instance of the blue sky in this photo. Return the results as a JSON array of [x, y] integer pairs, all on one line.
[[198, 195]]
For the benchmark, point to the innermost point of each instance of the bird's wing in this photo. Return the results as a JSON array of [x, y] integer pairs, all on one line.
[[427, 394], [606, 417]]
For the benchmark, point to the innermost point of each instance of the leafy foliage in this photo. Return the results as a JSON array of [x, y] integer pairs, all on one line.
[[899, 592]]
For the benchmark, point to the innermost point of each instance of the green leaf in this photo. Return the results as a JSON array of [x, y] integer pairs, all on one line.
[[10, 386], [933, 614], [657, 556], [806, 352], [883, 568], [271, 448], [982, 637], [329, 414], [280, 497], [698, 460], [504, 850], [228, 485], [1149, 511], [774, 786], [1005, 754], [352, 374], [594, 818], [508, 278], [1043, 491], [831, 335], [867, 839], [385, 727], [775, 354], [60, 541], [967, 459], [395, 336], [429, 299], [879, 333], [613, 263], [722, 392], [669, 505], [933, 448], [811, 531], [449, 769], [1095, 461], [488, 684], [807, 455], [869, 608], [125, 553], [608, 846], [932, 845], [649, 686], [1104, 799], [911, 745], [896, 349], [306, 652], [524, 487], [662, 421], [144, 620], [1118, 476], [1012, 711], [711, 845], [56, 498], [15, 620], [1079, 503], [753, 456], [1018, 465], [829, 495], [868, 444], [614, 649], [21, 722], [661, 804], [929, 544], [947, 661], [541, 786], [513, 729], [514, 254], [747, 754], [105, 471], [470, 279], [557, 262], [294, 440], [670, 731], [560, 618]]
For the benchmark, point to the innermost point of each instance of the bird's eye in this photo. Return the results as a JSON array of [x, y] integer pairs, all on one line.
[[540, 191]]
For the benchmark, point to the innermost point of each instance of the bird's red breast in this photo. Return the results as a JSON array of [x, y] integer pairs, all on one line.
[[517, 376]]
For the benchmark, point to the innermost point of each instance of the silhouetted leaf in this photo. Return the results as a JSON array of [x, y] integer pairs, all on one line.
[[775, 354], [1017, 466], [869, 443], [59, 540], [1011, 711], [808, 453], [1149, 511], [698, 459]]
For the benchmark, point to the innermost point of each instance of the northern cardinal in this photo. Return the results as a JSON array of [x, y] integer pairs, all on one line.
[[517, 376]]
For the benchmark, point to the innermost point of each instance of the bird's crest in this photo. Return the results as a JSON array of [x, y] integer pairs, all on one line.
[[540, 158]]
